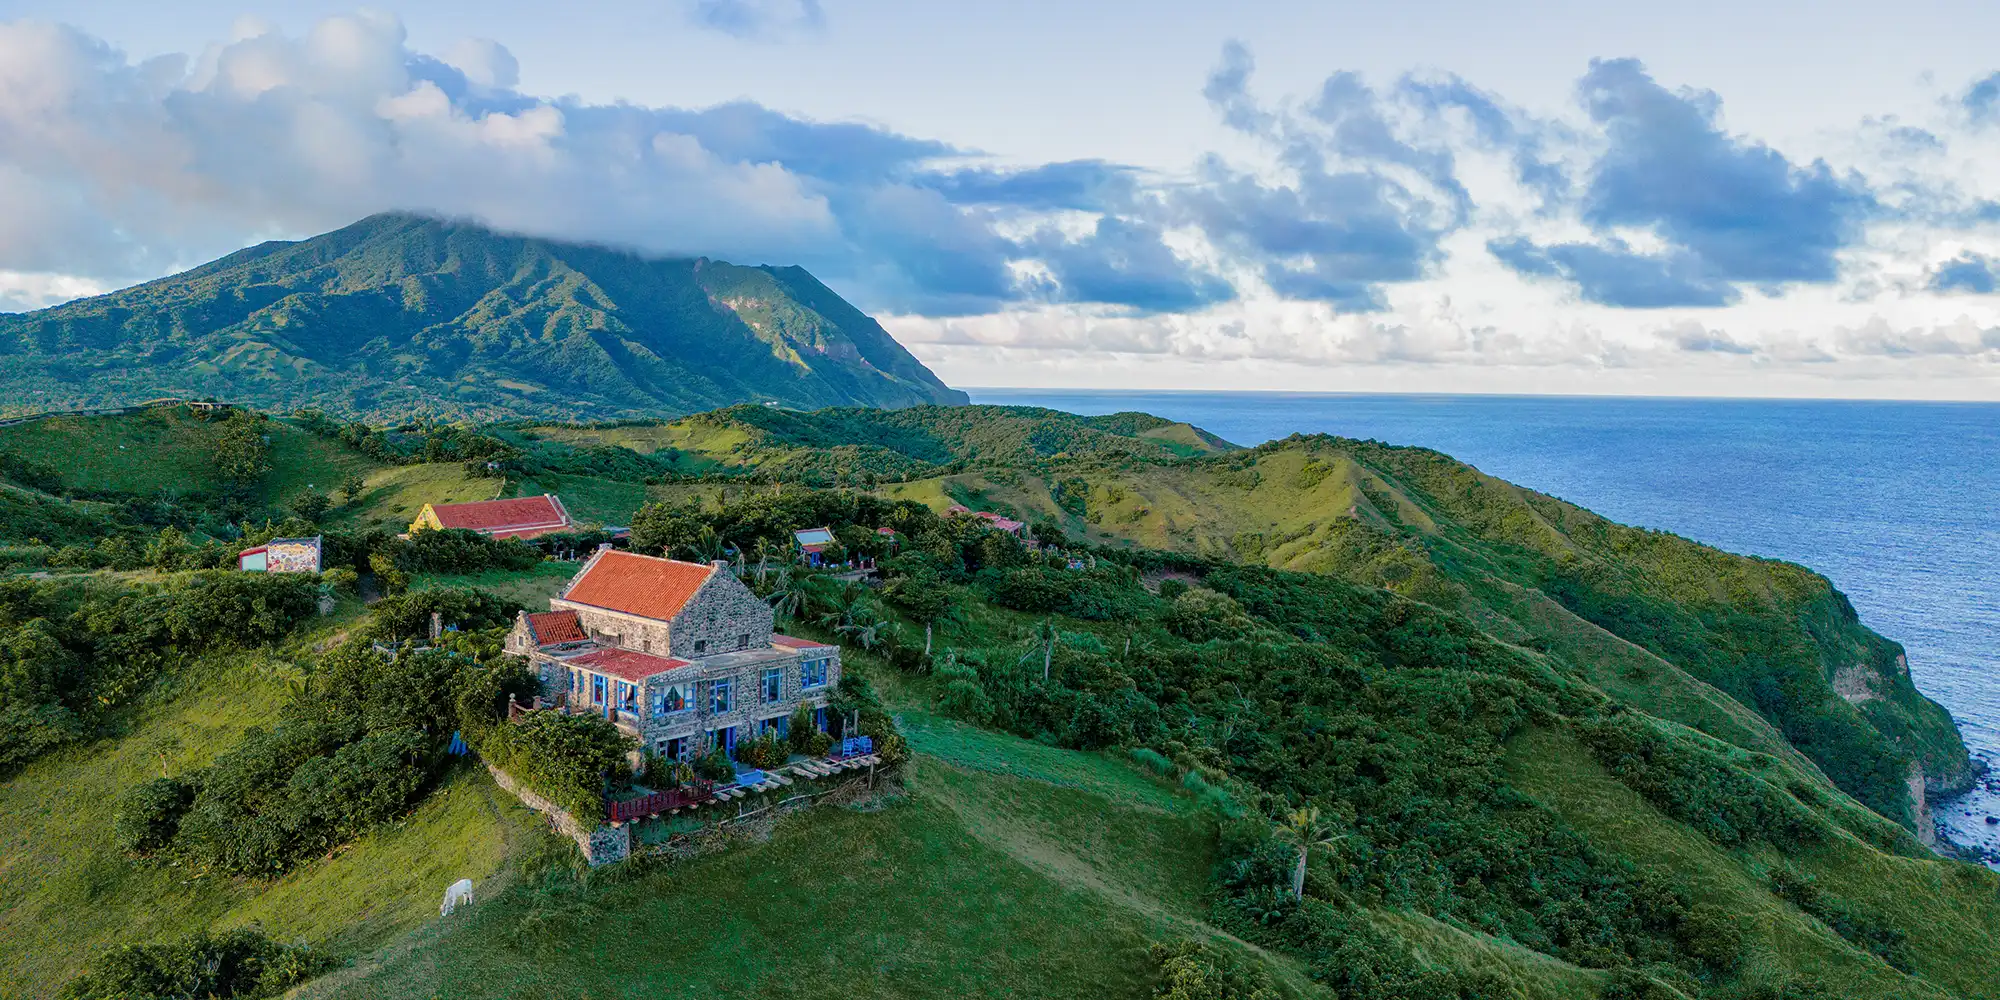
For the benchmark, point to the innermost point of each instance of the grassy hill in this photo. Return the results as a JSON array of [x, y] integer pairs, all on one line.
[[1775, 637], [400, 315], [1556, 757]]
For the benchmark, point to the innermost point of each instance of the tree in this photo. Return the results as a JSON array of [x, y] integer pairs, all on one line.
[[1043, 638], [311, 504], [855, 616], [766, 552], [791, 592], [1199, 615], [924, 596], [240, 450], [1307, 831], [351, 487]]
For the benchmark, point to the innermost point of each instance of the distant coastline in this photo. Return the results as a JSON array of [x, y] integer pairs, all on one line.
[[1889, 499]]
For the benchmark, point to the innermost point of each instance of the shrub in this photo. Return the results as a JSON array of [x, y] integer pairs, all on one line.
[[149, 815], [714, 765], [963, 697], [408, 616], [1199, 615], [229, 965], [800, 730], [457, 550], [566, 759], [310, 504], [28, 731], [1189, 971], [766, 751]]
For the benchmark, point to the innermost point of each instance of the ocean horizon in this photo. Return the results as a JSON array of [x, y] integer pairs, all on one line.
[[1893, 501]]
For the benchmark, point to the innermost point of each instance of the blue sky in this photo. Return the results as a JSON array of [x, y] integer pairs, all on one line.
[[1430, 196]]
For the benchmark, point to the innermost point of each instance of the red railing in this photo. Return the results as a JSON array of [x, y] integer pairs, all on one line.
[[659, 802]]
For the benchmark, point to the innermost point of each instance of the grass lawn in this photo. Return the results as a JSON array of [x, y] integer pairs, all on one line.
[[532, 587], [589, 498], [976, 885], [395, 494]]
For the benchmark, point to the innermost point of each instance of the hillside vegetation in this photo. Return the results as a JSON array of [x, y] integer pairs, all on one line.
[[400, 315], [1522, 751]]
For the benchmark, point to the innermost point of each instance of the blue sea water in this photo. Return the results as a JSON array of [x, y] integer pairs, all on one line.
[[1898, 503]]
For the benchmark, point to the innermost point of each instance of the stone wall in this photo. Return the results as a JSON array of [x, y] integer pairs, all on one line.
[[722, 614], [600, 846]]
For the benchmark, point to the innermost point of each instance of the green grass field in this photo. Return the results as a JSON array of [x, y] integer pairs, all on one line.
[[393, 495], [974, 884], [588, 498], [1908, 894], [66, 893], [165, 451], [532, 587]]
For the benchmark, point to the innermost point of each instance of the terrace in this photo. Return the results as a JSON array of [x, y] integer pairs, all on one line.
[[848, 755]]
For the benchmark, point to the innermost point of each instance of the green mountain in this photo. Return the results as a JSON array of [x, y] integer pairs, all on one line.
[[399, 316], [1551, 756]]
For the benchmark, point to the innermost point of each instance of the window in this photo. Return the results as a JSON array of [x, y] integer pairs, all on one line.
[[782, 725], [774, 685], [724, 740], [743, 641], [672, 699], [812, 674], [628, 697], [721, 696], [674, 749], [819, 718], [596, 689], [645, 645], [700, 646]]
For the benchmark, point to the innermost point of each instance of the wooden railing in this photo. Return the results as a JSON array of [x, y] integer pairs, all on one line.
[[658, 802]]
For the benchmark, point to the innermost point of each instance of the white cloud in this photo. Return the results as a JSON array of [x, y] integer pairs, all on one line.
[[113, 171]]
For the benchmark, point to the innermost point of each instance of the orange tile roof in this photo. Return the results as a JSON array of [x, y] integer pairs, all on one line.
[[625, 664], [638, 585], [505, 518], [556, 626]]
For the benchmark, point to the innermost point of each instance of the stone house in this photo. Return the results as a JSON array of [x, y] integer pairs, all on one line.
[[681, 656]]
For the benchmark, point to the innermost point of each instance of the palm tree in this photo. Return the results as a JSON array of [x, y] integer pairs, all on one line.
[[790, 592], [706, 546], [764, 552], [1043, 638], [868, 633], [1303, 825]]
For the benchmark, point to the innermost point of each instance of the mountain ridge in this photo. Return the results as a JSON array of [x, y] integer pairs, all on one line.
[[401, 314]]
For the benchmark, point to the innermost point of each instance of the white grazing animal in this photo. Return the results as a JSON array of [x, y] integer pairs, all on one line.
[[460, 892]]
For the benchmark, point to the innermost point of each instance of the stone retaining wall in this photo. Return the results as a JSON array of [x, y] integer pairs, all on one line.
[[601, 846]]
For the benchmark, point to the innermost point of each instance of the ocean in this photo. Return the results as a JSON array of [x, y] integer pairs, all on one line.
[[1897, 503]]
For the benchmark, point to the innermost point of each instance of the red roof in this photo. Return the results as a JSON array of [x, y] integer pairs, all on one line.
[[522, 517], [1003, 523], [638, 585], [790, 642], [551, 627], [625, 664]]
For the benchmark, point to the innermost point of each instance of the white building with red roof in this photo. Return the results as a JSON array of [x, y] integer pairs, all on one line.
[[517, 517], [680, 655]]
